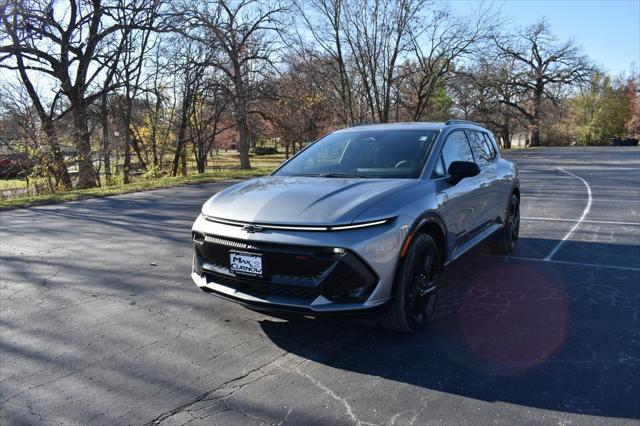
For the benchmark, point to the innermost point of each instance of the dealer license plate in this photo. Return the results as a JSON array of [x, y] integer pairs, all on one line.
[[245, 263]]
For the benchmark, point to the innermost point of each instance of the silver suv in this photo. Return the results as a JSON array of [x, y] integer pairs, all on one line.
[[361, 221]]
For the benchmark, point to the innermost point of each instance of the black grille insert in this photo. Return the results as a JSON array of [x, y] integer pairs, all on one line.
[[258, 288], [291, 271], [296, 262]]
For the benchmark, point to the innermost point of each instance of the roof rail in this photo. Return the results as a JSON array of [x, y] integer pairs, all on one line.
[[359, 124], [454, 121]]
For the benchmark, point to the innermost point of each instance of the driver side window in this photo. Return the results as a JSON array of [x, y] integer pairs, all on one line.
[[456, 148]]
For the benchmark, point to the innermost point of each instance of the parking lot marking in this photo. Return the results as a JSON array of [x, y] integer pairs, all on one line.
[[584, 214], [566, 262], [604, 222], [599, 200]]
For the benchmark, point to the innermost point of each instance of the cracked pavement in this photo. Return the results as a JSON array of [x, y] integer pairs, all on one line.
[[101, 324]]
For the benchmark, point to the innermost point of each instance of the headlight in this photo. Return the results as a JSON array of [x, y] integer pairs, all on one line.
[[360, 225], [315, 228]]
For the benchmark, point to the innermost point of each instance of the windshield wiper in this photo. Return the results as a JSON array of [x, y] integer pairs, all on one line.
[[331, 175], [341, 175]]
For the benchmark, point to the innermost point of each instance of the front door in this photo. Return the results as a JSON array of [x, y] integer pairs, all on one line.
[[458, 202]]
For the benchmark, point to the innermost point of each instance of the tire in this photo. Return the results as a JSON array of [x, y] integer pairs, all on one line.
[[415, 290], [505, 240]]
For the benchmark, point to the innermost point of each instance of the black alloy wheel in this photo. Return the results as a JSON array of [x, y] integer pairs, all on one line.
[[415, 291], [505, 240]]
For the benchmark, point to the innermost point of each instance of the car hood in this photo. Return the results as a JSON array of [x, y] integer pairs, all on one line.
[[301, 200]]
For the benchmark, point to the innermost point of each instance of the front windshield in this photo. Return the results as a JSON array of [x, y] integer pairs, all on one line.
[[366, 153]]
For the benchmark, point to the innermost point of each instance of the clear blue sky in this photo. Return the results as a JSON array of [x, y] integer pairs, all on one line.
[[607, 30]]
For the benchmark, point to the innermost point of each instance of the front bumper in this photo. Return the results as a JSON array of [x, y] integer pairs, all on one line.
[[274, 303], [302, 274]]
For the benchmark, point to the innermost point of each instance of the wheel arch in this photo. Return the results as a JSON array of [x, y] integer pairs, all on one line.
[[428, 223], [433, 225], [516, 192]]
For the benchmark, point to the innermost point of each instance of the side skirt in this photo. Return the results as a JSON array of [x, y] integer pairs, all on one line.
[[477, 239]]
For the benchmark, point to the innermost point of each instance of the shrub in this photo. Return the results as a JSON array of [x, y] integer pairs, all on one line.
[[152, 172], [264, 150]]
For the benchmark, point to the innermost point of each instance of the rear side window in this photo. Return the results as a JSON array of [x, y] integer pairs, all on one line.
[[483, 152], [456, 148], [491, 144]]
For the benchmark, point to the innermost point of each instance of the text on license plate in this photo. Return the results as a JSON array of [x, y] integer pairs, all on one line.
[[245, 263]]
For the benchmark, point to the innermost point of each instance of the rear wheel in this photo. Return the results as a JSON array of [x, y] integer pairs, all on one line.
[[504, 241], [414, 297]]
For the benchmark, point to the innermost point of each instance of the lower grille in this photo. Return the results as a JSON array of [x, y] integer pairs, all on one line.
[[257, 288], [294, 261], [290, 271]]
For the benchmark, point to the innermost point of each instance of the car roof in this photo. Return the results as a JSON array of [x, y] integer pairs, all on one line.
[[415, 125]]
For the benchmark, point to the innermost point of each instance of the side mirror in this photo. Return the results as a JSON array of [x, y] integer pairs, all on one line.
[[459, 170]]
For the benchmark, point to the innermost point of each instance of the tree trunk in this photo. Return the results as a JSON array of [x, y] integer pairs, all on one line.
[[243, 142], [106, 148], [182, 131], [537, 112], [127, 160], [127, 142], [60, 169], [201, 163], [86, 172], [154, 128], [242, 127], [61, 172], [184, 162], [535, 135], [506, 138], [136, 147]]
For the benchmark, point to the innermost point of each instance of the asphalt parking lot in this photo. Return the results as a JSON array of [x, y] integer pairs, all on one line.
[[101, 324]]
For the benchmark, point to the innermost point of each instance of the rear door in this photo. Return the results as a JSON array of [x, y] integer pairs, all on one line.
[[458, 203], [490, 203]]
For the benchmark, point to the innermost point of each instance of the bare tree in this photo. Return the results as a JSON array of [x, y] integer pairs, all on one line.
[[206, 119], [134, 50], [74, 49], [378, 32], [160, 107], [244, 32], [323, 20], [302, 111], [445, 39], [544, 69], [189, 60], [15, 35], [482, 94]]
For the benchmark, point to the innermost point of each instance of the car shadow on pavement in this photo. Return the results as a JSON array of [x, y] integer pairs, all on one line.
[[537, 334]]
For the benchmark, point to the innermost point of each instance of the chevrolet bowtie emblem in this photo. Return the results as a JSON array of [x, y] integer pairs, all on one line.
[[252, 228]]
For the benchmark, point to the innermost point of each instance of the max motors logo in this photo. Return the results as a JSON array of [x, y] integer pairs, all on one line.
[[252, 228]]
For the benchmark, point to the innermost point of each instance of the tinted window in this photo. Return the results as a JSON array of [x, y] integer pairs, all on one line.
[[329, 155], [481, 151], [365, 153], [456, 148], [490, 144], [438, 170]]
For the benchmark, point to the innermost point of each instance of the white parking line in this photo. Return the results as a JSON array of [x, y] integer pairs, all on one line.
[[584, 214], [605, 222], [564, 262], [599, 200], [578, 185]]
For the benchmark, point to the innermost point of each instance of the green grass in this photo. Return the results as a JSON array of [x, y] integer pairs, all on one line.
[[12, 183], [232, 158], [136, 186]]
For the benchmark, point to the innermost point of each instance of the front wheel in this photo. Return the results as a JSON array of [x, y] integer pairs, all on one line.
[[414, 298], [504, 241]]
